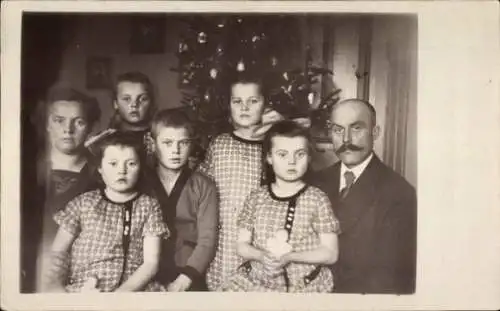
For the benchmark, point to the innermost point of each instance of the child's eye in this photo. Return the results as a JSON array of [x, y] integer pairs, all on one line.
[[112, 163], [132, 164], [236, 101], [168, 143], [357, 127], [57, 119], [281, 154], [144, 99], [80, 123], [301, 154], [184, 143], [254, 101], [126, 99]]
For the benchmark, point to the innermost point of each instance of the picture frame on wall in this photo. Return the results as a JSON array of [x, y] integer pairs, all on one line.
[[147, 35], [99, 73]]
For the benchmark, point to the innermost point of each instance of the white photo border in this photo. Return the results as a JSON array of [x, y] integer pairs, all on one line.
[[458, 162]]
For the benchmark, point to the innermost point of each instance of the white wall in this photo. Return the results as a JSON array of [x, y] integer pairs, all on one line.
[[393, 86]]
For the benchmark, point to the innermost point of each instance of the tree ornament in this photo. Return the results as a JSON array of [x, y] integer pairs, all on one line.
[[219, 49], [202, 37], [207, 96], [183, 47], [213, 73], [240, 66], [274, 61], [310, 98]]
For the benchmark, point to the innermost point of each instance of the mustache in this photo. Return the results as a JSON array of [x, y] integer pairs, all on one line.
[[351, 147]]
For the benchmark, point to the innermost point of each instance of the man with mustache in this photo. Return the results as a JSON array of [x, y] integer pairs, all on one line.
[[376, 208]]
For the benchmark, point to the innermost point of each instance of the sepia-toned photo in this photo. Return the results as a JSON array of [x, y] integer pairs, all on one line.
[[252, 153], [249, 155]]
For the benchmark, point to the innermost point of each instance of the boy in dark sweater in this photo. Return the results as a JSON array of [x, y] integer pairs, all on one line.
[[189, 205]]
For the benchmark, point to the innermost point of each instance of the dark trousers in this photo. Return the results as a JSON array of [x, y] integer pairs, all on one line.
[[197, 285]]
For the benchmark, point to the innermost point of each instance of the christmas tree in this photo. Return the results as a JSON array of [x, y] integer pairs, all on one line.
[[212, 49]]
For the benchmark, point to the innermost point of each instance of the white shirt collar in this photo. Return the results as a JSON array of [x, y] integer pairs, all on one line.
[[357, 170]]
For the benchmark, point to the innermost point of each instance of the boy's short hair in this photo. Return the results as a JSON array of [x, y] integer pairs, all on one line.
[[175, 118], [135, 77], [90, 105], [285, 128]]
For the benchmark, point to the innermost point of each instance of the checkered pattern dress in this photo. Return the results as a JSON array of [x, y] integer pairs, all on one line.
[[235, 164], [263, 215], [97, 250]]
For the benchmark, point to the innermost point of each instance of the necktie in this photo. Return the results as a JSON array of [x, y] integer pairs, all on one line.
[[349, 180]]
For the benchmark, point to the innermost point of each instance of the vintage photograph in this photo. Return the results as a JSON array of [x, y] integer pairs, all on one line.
[[221, 152]]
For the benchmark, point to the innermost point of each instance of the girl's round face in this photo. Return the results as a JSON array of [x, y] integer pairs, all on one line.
[[67, 126], [120, 168], [289, 157], [247, 104], [132, 102]]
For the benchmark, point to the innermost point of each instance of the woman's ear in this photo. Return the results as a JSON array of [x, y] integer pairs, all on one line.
[[269, 159], [376, 132], [152, 143]]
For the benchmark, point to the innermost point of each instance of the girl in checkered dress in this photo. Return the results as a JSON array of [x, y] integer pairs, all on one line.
[[234, 161], [109, 238], [287, 232]]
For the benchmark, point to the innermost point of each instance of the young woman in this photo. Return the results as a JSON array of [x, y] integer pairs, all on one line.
[[63, 169]]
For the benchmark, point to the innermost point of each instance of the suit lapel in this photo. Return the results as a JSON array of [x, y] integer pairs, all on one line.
[[361, 197]]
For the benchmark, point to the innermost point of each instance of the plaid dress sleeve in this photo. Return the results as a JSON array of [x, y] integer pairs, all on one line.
[[155, 226], [247, 215], [206, 166], [324, 221], [70, 217]]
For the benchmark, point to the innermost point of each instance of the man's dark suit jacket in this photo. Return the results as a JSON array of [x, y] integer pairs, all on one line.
[[377, 243]]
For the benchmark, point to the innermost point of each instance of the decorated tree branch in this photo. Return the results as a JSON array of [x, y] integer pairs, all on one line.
[[212, 49]]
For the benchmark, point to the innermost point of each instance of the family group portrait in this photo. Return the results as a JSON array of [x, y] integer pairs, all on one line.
[[221, 152]]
